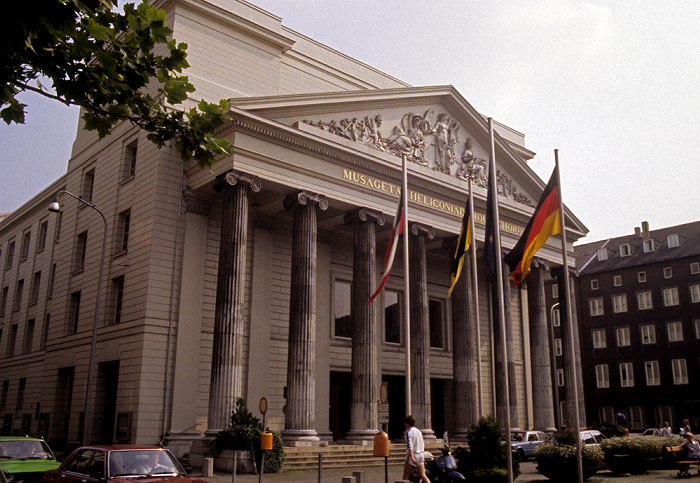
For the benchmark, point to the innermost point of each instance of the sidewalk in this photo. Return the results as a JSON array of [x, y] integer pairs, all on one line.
[[376, 475]]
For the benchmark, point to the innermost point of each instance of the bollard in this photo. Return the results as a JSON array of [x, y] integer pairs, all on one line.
[[359, 476], [208, 467]]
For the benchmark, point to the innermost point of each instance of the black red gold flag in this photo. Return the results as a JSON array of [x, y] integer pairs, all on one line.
[[463, 243]]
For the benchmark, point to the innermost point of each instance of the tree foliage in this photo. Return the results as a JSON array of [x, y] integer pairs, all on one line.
[[116, 66]]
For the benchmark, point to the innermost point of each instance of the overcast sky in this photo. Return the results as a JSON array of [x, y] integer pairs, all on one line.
[[614, 85]]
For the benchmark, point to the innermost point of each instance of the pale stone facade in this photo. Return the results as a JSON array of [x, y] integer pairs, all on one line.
[[316, 135]]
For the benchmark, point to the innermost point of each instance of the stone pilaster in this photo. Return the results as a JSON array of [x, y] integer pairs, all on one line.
[[420, 328], [227, 358], [365, 330], [301, 373]]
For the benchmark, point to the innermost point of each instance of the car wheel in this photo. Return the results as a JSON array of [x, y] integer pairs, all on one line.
[[520, 455]]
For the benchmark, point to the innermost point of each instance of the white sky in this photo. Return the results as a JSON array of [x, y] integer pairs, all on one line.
[[614, 85]]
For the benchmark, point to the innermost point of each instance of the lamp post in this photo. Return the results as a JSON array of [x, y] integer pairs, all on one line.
[[55, 207]]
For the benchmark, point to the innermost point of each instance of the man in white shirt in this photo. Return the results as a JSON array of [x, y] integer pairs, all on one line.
[[414, 448]]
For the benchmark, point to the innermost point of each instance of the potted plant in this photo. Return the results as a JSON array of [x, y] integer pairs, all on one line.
[[557, 461]]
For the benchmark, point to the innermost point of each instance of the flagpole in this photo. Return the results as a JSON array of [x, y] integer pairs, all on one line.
[[475, 293], [406, 299], [569, 320], [500, 290]]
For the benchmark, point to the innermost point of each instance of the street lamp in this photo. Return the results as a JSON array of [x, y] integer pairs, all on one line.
[[56, 208]]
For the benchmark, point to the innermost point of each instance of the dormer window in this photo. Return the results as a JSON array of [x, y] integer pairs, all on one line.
[[602, 254], [648, 246], [625, 250], [672, 241]]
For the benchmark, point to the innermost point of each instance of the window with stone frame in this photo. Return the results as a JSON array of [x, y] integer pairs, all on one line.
[[626, 374], [392, 316], [680, 371], [602, 376], [651, 370], [644, 300], [342, 302], [670, 296], [648, 332]]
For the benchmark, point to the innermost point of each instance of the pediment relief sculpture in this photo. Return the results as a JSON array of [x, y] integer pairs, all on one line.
[[430, 140]]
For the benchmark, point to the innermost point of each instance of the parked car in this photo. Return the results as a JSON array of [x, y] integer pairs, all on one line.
[[118, 463], [24, 460], [524, 443], [588, 436]]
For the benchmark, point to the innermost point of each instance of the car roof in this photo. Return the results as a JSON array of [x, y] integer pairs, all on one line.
[[19, 438], [122, 447]]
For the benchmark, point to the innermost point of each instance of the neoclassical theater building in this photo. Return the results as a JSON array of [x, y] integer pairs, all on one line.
[[251, 279]]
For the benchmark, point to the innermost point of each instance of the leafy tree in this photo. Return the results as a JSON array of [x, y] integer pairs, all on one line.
[[116, 66]]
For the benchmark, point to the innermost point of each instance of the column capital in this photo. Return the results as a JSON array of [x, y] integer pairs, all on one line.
[[425, 230], [538, 262], [305, 198], [364, 214], [233, 178], [558, 271]]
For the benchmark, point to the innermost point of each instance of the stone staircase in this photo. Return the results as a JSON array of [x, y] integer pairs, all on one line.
[[346, 456]]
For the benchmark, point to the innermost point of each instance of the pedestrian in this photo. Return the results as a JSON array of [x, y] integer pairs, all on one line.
[[659, 430], [686, 427], [667, 431], [692, 446], [414, 449]]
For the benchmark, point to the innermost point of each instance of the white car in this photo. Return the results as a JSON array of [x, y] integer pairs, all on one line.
[[524, 443]]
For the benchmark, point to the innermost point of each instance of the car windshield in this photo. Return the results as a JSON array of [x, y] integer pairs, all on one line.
[[25, 450], [517, 436], [142, 462]]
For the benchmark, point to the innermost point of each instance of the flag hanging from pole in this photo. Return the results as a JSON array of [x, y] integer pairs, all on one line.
[[463, 243], [489, 241], [545, 222], [396, 230]]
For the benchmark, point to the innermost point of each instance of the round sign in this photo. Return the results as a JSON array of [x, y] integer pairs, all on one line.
[[384, 393], [263, 405]]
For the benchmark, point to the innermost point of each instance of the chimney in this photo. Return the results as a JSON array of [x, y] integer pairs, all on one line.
[[637, 231], [645, 229]]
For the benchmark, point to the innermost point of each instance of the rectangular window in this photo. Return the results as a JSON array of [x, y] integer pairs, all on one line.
[[3, 397], [619, 303], [17, 302], [34, 291], [130, 153], [123, 231], [625, 250], [680, 371], [45, 334], [88, 184], [602, 254], [675, 331], [12, 341], [670, 296], [602, 377], [437, 338], [672, 240], [695, 293], [636, 417], [595, 306], [560, 378], [648, 334], [41, 236], [392, 317], [557, 347], [594, 284], [556, 316], [648, 246], [644, 300], [3, 300], [599, 340], [641, 277], [651, 369], [623, 336], [343, 301], [74, 313], [118, 289], [694, 268], [28, 336], [617, 280], [626, 374], [555, 291], [24, 251], [696, 323], [10, 256], [80, 250], [59, 221], [52, 279], [607, 414], [668, 272]]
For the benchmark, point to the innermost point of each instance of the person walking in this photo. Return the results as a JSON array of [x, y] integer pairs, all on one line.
[[686, 427], [667, 431], [414, 449]]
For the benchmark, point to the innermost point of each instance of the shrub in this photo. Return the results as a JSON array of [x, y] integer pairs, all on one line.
[[485, 461], [558, 461], [610, 430], [632, 455]]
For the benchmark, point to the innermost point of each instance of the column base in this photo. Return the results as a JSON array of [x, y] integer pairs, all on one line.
[[428, 435], [459, 435], [180, 442], [360, 437], [300, 437]]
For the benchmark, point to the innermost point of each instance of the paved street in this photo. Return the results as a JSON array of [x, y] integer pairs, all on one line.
[[376, 475]]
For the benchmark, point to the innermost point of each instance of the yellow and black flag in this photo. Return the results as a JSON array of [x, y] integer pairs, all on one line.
[[544, 223], [463, 242]]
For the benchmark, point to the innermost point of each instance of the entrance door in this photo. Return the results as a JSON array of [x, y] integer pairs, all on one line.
[[340, 400], [107, 396], [437, 406], [397, 406]]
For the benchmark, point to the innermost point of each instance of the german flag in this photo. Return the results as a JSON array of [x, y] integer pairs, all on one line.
[[544, 223], [463, 243]]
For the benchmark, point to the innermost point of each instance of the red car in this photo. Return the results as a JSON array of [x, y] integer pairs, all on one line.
[[119, 464]]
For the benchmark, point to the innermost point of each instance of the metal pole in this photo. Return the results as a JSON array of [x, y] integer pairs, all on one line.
[[262, 466], [406, 301], [475, 291], [320, 467], [569, 320]]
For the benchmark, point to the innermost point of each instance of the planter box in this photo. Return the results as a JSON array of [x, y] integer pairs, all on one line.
[[244, 461]]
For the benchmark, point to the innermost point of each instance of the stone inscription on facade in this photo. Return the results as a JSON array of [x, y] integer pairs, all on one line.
[[413, 137]]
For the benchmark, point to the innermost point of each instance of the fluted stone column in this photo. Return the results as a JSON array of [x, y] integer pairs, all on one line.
[[542, 390], [420, 328], [365, 331], [300, 411], [227, 358], [504, 399], [464, 350]]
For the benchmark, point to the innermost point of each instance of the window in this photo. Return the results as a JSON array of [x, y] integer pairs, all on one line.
[[695, 293], [3, 300], [41, 237], [617, 280], [560, 377], [555, 291], [59, 221], [623, 336], [12, 341], [696, 323], [3, 397], [9, 257], [672, 241], [556, 318], [436, 324], [602, 376], [52, 279], [694, 268], [619, 303], [80, 250], [392, 317], [74, 312], [118, 290], [599, 341], [626, 374], [648, 246], [651, 370], [648, 332], [595, 306], [557, 347], [88, 183], [675, 331], [607, 414], [602, 254], [641, 277], [24, 251], [130, 153], [668, 272], [680, 371], [19, 288], [625, 250], [343, 301], [28, 336], [123, 231], [670, 296], [644, 300], [636, 417], [34, 291], [594, 284], [45, 335]]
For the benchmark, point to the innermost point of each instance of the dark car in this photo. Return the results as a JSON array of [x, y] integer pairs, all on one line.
[[24, 459], [119, 464]]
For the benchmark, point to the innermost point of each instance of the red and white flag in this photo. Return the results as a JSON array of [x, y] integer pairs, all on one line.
[[396, 230]]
